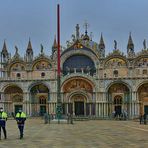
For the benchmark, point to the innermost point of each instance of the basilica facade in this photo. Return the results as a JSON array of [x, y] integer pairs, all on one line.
[[92, 83]]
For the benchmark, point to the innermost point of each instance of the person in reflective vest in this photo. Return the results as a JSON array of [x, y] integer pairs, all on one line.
[[3, 119], [20, 118]]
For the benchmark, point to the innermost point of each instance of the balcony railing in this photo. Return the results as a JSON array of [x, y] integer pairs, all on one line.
[[90, 72]]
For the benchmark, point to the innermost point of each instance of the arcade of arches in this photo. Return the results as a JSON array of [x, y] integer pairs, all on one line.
[[37, 104], [79, 98]]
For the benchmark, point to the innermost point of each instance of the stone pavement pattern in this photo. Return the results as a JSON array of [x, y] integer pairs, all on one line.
[[82, 134]]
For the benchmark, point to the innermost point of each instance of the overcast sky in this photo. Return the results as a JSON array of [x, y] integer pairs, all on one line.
[[21, 19]]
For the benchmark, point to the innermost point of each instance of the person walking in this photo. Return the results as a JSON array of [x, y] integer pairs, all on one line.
[[20, 118], [68, 118], [144, 117], [141, 118], [3, 119]]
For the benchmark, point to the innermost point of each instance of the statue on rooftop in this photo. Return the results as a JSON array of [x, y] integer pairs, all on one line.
[[144, 44], [115, 44], [16, 49], [42, 48]]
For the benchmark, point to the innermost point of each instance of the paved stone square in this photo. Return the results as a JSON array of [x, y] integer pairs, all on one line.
[[82, 134]]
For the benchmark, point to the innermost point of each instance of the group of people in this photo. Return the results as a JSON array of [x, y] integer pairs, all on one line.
[[120, 115], [143, 118], [20, 119]]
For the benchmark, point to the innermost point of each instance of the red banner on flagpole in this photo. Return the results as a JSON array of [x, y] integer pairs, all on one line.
[[58, 38]]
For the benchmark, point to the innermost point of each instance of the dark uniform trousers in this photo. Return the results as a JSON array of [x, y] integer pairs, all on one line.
[[21, 129], [4, 130], [2, 126]]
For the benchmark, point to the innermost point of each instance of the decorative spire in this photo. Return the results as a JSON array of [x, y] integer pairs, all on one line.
[[29, 52], [77, 31], [101, 44], [55, 45], [4, 49], [29, 47], [4, 53], [130, 45], [86, 25]]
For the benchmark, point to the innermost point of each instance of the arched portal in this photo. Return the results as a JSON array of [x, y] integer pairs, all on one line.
[[13, 98], [39, 99], [119, 98], [78, 97], [79, 104], [143, 98]]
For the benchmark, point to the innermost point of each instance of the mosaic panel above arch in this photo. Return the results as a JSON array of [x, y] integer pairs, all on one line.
[[143, 62], [39, 88], [115, 62], [118, 88], [17, 67], [77, 84], [12, 89], [13, 93], [42, 65]]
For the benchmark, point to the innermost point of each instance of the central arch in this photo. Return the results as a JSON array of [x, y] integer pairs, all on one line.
[[78, 96]]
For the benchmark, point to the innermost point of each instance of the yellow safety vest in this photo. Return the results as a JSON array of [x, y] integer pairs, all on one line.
[[3, 115], [22, 115]]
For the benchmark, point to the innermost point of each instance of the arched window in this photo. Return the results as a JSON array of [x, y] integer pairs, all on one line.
[[118, 100], [42, 100]]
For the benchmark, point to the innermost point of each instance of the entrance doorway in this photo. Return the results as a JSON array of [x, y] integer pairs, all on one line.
[[79, 108], [42, 110], [146, 109], [17, 107], [118, 105], [118, 110]]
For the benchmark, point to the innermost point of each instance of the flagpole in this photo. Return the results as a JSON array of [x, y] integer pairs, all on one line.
[[59, 102]]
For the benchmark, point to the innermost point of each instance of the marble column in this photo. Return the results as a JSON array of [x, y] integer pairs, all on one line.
[[97, 114], [90, 109]]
